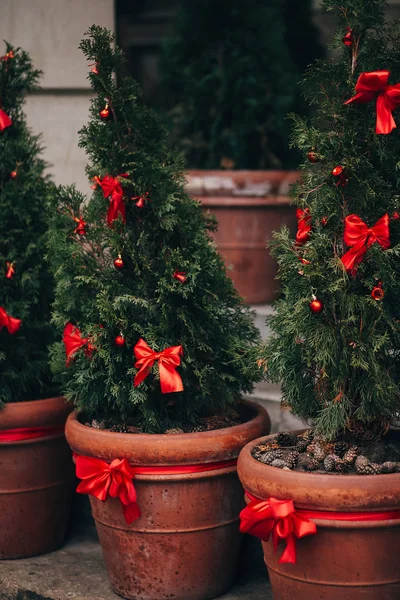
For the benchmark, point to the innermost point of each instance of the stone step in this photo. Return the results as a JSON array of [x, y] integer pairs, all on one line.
[[77, 570]]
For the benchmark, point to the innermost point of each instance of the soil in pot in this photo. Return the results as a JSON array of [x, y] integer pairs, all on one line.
[[36, 480], [185, 544], [353, 553]]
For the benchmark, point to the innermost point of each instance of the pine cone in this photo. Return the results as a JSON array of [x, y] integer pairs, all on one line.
[[175, 431], [339, 464], [340, 447], [319, 451], [375, 452], [350, 455], [329, 462], [280, 464], [301, 445], [118, 428], [307, 435], [286, 438], [292, 458], [270, 456], [369, 469], [389, 467], [361, 462], [313, 464], [197, 428]]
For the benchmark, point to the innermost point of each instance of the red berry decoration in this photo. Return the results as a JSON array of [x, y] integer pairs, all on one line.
[[316, 306], [312, 157], [13, 174], [119, 263], [120, 340], [348, 38], [105, 113]]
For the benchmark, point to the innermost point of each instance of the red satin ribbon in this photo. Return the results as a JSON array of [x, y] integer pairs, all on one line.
[[73, 341], [5, 120], [279, 519], [111, 186], [303, 225], [374, 85], [360, 237], [102, 479], [168, 360], [29, 433], [12, 325]]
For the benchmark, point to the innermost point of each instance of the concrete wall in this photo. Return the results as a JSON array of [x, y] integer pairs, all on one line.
[[50, 30]]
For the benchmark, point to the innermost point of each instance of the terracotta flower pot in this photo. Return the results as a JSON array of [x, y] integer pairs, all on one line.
[[185, 545], [344, 559], [249, 206], [36, 480]]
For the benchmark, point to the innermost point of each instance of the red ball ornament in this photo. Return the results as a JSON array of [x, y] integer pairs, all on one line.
[[324, 221], [120, 340], [10, 270], [377, 293], [316, 306], [80, 229], [105, 113], [119, 263], [312, 157], [180, 276], [13, 174], [337, 171], [396, 216]]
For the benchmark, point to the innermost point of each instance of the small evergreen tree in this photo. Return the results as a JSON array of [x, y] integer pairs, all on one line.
[[337, 355], [25, 283], [229, 82], [141, 274]]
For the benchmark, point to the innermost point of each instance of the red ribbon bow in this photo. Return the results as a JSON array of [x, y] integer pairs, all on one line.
[[168, 360], [278, 518], [360, 237], [102, 480], [7, 56], [111, 186], [73, 341], [374, 85], [5, 120], [303, 225], [12, 325]]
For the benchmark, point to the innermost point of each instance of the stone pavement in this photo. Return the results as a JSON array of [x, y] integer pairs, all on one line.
[[77, 572]]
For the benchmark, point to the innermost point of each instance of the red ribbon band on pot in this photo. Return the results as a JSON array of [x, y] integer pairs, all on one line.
[[29, 433], [115, 480], [280, 519], [374, 85]]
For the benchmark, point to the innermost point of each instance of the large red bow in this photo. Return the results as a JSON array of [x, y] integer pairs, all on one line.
[[262, 518], [100, 479], [374, 85], [73, 340], [168, 359], [360, 237], [5, 120], [10, 323], [303, 225], [111, 186]]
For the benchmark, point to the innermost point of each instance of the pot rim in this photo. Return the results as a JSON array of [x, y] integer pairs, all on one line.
[[35, 413], [154, 449], [318, 491]]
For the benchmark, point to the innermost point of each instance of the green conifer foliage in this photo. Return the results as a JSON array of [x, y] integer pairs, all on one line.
[[340, 366], [165, 232], [229, 82], [27, 294]]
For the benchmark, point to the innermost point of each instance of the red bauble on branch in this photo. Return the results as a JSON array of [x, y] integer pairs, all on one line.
[[105, 113], [348, 38], [377, 292], [13, 174], [10, 270], [180, 276], [120, 340], [80, 229], [141, 200], [316, 306], [339, 173], [7, 56], [312, 156], [119, 263]]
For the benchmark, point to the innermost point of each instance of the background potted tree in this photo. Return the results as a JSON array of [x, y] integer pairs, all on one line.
[[155, 354], [36, 473], [333, 492], [228, 83]]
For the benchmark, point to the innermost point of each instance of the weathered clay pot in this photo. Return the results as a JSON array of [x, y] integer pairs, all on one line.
[[249, 206], [347, 560], [36, 480], [185, 545]]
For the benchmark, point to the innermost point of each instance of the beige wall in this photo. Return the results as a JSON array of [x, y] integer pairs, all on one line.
[[51, 30]]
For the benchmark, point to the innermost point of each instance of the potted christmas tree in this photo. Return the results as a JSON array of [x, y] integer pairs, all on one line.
[[155, 353], [228, 84], [35, 474], [332, 493]]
